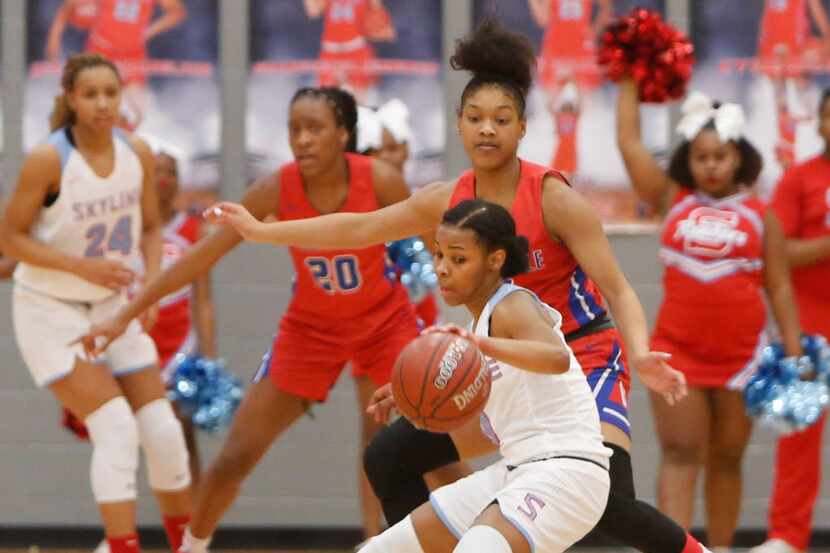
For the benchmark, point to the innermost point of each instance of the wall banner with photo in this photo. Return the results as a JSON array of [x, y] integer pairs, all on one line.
[[776, 69], [166, 51], [379, 50], [571, 109]]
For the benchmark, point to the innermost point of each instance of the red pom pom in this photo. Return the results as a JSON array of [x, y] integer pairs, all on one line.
[[655, 54]]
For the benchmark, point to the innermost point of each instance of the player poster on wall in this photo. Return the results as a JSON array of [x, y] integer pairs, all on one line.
[[571, 108], [378, 49], [776, 71], [166, 51]]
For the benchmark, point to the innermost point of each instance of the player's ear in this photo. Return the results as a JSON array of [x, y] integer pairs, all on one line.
[[496, 259]]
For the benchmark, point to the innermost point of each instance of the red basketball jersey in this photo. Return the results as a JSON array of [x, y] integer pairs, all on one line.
[[802, 204], [784, 28], [554, 274], [344, 283], [342, 25], [174, 320], [119, 27]]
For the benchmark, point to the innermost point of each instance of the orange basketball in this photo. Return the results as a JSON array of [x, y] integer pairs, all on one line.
[[440, 381]]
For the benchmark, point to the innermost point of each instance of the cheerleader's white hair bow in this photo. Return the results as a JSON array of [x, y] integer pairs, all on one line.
[[369, 129], [698, 110], [394, 116]]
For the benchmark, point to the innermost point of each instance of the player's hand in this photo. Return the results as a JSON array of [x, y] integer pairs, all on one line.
[[236, 216], [452, 329], [657, 375], [381, 404], [100, 336], [106, 272], [149, 318]]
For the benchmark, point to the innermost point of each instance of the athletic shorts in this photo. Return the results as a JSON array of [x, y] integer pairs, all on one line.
[[44, 327], [553, 503], [307, 360], [602, 360]]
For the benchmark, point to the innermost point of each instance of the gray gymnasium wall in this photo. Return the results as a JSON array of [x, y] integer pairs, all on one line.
[[308, 477]]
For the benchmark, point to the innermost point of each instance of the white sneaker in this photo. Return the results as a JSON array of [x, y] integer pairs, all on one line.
[[775, 545], [103, 547]]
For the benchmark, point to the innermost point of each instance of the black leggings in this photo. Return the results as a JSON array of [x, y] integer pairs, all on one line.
[[400, 454]]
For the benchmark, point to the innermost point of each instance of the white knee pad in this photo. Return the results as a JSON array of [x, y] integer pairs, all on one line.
[[114, 435], [400, 538], [163, 441], [482, 539]]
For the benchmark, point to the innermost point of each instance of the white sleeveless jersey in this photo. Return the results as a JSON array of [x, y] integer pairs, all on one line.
[[92, 217], [531, 415]]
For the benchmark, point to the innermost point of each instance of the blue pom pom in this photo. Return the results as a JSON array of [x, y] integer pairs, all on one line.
[[205, 392], [789, 394], [413, 263]]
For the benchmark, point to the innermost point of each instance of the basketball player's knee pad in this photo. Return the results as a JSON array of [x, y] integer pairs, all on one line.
[[399, 538], [114, 435], [401, 452], [162, 438], [621, 473], [482, 539]]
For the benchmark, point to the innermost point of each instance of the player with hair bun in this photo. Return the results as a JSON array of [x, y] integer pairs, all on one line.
[[551, 485], [572, 269]]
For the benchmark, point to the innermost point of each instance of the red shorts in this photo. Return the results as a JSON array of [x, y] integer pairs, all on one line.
[[603, 362], [307, 360], [354, 72], [714, 347]]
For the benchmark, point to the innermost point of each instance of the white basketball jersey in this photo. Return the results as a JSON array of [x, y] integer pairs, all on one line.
[[92, 216], [530, 414]]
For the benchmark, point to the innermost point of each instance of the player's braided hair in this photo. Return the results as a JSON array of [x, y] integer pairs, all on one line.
[[495, 228], [496, 56], [62, 115], [343, 106]]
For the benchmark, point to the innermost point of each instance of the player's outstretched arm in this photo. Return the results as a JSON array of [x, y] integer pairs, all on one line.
[[569, 218], [262, 198], [415, 215]]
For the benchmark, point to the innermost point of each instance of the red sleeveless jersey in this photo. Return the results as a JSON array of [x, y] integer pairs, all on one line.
[[344, 283], [713, 311], [119, 27], [342, 25], [554, 274], [784, 28]]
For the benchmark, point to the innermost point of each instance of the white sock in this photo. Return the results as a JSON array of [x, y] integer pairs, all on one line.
[[192, 544]]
